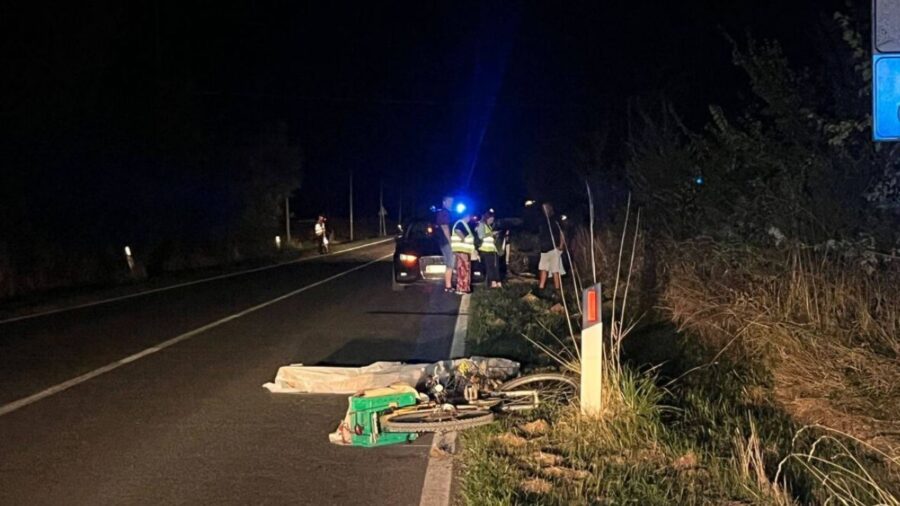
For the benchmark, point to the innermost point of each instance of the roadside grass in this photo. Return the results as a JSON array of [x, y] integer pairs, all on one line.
[[702, 428], [731, 410], [501, 319], [632, 458]]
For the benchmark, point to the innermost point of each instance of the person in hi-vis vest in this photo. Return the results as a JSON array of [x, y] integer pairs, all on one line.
[[462, 242], [488, 249]]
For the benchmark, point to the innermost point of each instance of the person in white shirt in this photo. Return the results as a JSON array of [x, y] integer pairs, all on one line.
[[552, 242], [322, 235]]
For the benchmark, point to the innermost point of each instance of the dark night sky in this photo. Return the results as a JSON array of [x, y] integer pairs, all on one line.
[[400, 91]]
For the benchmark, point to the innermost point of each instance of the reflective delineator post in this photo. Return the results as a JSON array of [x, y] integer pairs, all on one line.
[[129, 259], [592, 353]]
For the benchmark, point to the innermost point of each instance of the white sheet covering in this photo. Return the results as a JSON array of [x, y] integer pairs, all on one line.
[[297, 378]]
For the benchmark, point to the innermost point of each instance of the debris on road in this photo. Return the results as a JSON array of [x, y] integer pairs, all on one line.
[[444, 445], [382, 387], [298, 378], [360, 425]]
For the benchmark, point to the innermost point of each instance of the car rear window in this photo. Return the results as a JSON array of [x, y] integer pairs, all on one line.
[[420, 230]]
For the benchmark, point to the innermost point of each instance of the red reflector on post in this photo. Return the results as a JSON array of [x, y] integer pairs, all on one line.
[[592, 306]]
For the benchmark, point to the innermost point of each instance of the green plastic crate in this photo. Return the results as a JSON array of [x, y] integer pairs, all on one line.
[[365, 409]]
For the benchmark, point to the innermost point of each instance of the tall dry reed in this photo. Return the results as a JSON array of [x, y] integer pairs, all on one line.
[[826, 328]]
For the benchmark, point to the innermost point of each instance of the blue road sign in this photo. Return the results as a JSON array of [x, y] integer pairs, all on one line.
[[886, 97]]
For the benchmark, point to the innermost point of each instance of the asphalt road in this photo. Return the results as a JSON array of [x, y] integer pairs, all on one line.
[[191, 424]]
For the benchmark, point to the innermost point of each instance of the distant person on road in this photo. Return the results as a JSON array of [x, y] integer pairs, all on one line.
[[321, 235], [487, 249], [552, 241], [462, 242], [443, 220]]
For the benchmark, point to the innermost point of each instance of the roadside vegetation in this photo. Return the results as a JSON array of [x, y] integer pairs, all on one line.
[[240, 211], [746, 385], [752, 320]]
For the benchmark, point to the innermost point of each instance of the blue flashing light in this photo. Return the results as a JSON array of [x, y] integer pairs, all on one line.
[[699, 180], [460, 208]]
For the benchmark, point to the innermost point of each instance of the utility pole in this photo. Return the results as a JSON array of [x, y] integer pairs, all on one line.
[[351, 205], [400, 208], [287, 218]]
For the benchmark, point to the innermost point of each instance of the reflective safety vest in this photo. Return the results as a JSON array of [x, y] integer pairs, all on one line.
[[459, 244], [487, 242]]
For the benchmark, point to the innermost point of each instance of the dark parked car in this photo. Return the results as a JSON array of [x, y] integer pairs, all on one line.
[[417, 257]]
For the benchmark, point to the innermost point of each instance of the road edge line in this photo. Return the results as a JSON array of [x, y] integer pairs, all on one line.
[[65, 385], [438, 483], [458, 347], [187, 283], [439, 473]]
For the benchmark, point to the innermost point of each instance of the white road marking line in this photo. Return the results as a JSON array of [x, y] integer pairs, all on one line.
[[458, 348], [439, 473], [21, 403], [188, 283]]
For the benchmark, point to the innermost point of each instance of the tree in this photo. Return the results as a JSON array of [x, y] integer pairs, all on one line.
[[791, 161], [272, 168]]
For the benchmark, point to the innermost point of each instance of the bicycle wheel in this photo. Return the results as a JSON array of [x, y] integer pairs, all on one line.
[[435, 419], [551, 388]]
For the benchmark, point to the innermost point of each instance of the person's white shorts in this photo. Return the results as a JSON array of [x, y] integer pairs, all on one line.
[[551, 262]]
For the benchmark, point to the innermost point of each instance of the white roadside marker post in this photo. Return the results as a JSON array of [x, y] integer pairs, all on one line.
[[592, 353], [129, 259]]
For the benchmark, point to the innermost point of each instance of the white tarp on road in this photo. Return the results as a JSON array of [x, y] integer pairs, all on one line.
[[297, 378]]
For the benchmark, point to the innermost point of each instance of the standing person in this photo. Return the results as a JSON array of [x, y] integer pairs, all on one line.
[[321, 235], [462, 242], [488, 249], [442, 220], [552, 242]]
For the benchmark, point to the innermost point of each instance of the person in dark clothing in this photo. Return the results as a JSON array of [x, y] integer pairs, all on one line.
[[487, 248], [442, 220]]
